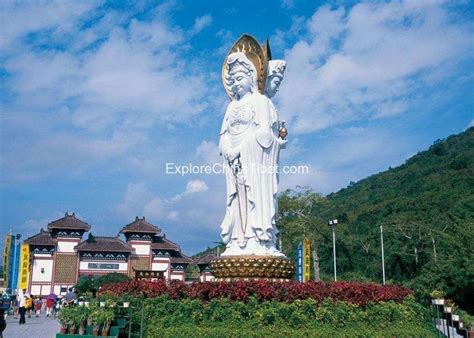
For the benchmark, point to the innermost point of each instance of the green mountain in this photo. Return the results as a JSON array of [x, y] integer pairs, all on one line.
[[426, 208]]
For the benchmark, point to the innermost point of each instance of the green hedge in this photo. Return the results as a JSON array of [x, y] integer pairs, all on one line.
[[222, 317], [410, 330]]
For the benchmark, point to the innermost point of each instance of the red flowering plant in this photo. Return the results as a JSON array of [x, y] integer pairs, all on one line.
[[349, 292]]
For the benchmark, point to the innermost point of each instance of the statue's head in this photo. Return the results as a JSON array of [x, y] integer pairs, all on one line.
[[276, 70], [242, 75]]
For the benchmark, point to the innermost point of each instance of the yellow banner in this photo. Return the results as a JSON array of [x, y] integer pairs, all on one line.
[[24, 267], [6, 258], [306, 260]]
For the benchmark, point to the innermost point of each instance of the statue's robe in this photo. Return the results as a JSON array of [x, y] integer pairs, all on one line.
[[251, 124]]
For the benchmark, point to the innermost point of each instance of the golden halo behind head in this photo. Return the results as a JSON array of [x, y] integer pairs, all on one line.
[[257, 54]]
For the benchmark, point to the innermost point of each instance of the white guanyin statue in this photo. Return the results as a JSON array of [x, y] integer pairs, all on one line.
[[250, 141]]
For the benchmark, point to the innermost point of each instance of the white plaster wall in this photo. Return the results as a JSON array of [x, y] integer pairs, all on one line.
[[45, 290], [122, 265], [47, 265], [206, 278], [160, 267], [35, 290], [57, 289], [177, 277], [66, 246], [141, 249]]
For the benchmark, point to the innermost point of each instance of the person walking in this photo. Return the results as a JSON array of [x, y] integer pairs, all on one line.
[[50, 303], [29, 304], [38, 304], [3, 323], [3, 315], [15, 306], [22, 306]]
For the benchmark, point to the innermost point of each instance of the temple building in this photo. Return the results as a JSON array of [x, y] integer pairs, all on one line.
[[59, 255]]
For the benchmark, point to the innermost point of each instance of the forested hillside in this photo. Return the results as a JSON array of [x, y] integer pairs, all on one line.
[[426, 208]]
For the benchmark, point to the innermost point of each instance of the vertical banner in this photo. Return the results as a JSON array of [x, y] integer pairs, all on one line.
[[306, 260], [11, 263], [24, 267], [300, 262], [6, 260], [14, 262]]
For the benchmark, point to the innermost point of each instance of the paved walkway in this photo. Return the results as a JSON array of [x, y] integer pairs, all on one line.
[[42, 327]]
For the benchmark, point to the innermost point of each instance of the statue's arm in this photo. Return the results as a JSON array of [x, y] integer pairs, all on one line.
[[264, 132], [225, 147]]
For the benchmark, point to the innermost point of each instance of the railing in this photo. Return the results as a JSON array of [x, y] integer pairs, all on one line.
[[446, 323]]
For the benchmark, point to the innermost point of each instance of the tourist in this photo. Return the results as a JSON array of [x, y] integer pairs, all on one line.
[[38, 304], [3, 323], [29, 304], [14, 306], [50, 303], [70, 297], [22, 306]]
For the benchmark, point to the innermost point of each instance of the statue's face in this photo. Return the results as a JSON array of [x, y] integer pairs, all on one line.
[[273, 85], [241, 84]]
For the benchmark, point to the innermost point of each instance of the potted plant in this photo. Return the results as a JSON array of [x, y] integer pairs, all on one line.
[[82, 314], [65, 317], [450, 306], [437, 297], [108, 317], [90, 310], [97, 320], [72, 319]]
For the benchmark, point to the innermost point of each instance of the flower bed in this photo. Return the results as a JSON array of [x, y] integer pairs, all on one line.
[[223, 308], [349, 292]]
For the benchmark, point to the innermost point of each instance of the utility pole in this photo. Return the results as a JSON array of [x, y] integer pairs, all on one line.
[[332, 224], [383, 258]]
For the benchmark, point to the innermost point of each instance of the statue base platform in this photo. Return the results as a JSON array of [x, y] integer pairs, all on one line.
[[272, 268]]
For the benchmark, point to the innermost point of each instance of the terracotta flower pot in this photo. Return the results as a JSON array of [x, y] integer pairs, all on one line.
[[105, 333], [95, 331], [63, 330], [72, 329], [82, 331]]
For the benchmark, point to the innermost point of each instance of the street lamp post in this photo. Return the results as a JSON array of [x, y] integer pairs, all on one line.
[[383, 258], [332, 224]]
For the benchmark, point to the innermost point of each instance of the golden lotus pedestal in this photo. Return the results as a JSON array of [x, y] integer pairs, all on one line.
[[229, 268]]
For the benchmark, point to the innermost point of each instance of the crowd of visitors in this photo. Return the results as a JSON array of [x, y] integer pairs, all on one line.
[[25, 305]]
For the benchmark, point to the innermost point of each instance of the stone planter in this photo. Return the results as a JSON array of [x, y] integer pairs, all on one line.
[[456, 318], [437, 301], [448, 309]]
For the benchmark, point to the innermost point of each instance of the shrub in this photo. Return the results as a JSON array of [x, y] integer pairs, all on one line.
[[348, 292]]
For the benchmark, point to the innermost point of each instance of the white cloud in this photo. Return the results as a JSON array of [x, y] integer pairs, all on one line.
[[208, 153], [194, 186], [134, 199], [367, 62], [20, 18], [200, 23], [138, 200], [91, 104]]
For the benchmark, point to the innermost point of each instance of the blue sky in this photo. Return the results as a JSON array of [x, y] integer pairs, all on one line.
[[96, 97]]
